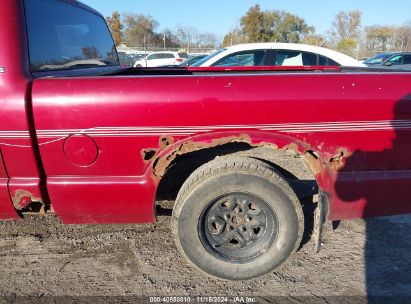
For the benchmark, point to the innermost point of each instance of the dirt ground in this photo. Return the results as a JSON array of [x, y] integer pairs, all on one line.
[[41, 257]]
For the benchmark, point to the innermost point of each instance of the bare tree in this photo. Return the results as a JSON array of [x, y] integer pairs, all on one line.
[[315, 39], [387, 38], [235, 36], [345, 33], [206, 40], [347, 25], [187, 36]]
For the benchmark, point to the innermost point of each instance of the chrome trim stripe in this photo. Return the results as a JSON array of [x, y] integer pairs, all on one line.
[[354, 126]]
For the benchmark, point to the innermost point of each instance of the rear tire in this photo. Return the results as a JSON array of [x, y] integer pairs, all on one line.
[[236, 218]]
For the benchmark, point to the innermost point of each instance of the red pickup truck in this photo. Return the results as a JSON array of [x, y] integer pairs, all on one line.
[[252, 157]]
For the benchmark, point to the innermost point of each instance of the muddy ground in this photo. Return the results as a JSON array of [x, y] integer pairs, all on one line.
[[41, 257]]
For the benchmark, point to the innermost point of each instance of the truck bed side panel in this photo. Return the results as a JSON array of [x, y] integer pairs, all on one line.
[[97, 128]]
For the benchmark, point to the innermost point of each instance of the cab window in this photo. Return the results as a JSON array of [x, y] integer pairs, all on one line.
[[64, 36]]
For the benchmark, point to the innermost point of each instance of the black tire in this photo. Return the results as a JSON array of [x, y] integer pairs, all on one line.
[[214, 219]]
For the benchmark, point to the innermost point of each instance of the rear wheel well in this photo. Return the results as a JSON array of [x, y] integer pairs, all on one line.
[[288, 163], [183, 165]]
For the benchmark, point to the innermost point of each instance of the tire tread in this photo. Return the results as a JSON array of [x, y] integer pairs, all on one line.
[[226, 164]]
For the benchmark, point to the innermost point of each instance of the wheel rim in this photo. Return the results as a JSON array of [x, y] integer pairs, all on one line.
[[238, 227]]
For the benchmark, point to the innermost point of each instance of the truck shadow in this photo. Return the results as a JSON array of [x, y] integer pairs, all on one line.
[[387, 191]]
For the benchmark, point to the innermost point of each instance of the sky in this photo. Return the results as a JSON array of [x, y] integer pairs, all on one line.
[[221, 16]]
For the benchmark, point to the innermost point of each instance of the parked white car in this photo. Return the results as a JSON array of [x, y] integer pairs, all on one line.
[[277, 54], [162, 58]]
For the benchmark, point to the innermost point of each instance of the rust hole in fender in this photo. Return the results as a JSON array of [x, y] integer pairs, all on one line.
[[149, 154], [165, 141], [337, 161], [313, 162], [161, 164], [334, 162], [22, 200], [290, 147]]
